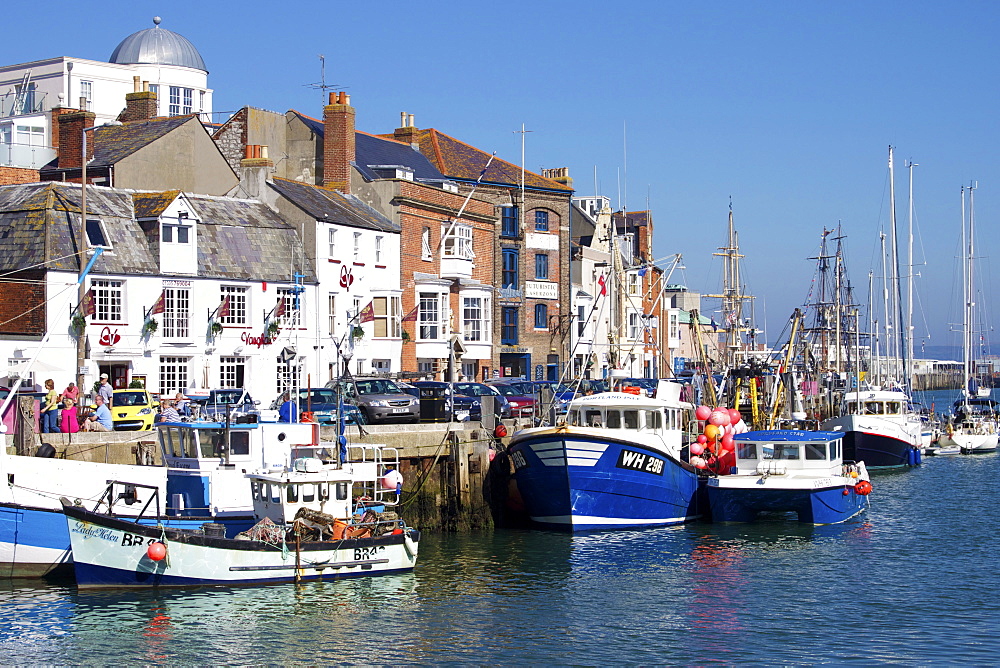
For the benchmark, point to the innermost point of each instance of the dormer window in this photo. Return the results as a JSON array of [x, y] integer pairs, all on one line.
[[96, 235], [393, 172], [177, 232]]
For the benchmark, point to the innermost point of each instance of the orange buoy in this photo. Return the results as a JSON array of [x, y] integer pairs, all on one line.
[[864, 488], [500, 431], [156, 551], [631, 389]]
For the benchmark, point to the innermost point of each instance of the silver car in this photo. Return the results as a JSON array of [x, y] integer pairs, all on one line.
[[381, 400]]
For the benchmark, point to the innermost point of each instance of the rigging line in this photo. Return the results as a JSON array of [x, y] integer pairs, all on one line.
[[40, 264]]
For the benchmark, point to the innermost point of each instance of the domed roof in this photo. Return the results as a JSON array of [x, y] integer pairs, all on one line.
[[157, 46]]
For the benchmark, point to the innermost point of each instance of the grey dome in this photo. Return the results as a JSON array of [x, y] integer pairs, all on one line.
[[157, 46]]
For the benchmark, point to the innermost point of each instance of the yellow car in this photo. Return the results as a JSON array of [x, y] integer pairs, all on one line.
[[133, 410]]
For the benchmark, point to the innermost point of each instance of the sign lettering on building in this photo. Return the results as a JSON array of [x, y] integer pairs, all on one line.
[[541, 290]]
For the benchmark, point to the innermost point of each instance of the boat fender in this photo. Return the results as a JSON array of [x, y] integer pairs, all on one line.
[[156, 551], [911, 458], [45, 450], [864, 488], [500, 431], [411, 547], [919, 456], [846, 491]]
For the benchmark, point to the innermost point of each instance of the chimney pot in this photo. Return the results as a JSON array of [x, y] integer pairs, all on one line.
[[263, 152], [412, 122], [347, 99], [332, 98], [135, 84], [402, 119]]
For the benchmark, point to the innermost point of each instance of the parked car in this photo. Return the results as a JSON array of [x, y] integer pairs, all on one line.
[[133, 410], [562, 394], [381, 400], [457, 403], [480, 390], [237, 400], [521, 404], [322, 402]]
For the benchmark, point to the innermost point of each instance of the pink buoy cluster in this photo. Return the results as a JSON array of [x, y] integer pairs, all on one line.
[[713, 448]]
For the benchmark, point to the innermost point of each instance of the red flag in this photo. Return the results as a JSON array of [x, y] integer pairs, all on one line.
[[224, 309], [279, 310], [368, 313], [88, 305], [160, 305], [412, 315], [601, 282]]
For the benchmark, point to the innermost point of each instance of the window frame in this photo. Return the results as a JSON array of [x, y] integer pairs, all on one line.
[[541, 220], [239, 304], [542, 316], [509, 222], [509, 325], [510, 268], [109, 300], [541, 266]]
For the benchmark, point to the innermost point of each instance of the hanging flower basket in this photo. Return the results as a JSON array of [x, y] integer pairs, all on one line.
[[358, 332], [149, 327], [273, 328], [405, 336], [216, 328], [79, 323]]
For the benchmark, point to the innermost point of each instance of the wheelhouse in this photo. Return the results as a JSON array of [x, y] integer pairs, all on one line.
[[777, 452]]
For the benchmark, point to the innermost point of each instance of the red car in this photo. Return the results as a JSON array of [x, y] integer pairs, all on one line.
[[520, 404]]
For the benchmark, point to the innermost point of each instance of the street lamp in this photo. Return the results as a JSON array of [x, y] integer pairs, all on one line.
[[81, 339]]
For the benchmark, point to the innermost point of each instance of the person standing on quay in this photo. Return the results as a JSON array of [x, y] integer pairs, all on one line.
[[69, 420], [105, 390], [71, 391], [50, 409], [288, 412]]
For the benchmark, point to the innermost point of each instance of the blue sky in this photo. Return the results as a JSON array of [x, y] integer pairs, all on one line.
[[787, 107]]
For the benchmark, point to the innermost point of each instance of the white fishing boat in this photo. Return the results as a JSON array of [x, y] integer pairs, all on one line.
[[320, 519]]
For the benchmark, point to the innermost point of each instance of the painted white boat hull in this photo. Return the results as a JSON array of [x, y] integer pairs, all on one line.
[[113, 553]]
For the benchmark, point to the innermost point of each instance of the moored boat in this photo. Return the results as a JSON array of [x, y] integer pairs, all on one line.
[[790, 471], [201, 481], [318, 519], [615, 463], [878, 428]]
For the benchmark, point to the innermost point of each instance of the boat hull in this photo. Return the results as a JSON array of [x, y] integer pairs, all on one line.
[[34, 542], [110, 552], [879, 443], [586, 482], [742, 498]]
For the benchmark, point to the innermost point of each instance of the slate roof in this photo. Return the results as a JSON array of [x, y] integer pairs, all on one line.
[[333, 206], [371, 150], [114, 143], [152, 205], [459, 160], [237, 239]]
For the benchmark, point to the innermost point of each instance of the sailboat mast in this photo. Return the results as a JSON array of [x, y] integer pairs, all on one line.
[[909, 286]]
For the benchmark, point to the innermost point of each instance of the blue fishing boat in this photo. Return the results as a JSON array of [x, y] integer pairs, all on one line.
[[202, 481], [795, 471], [615, 463]]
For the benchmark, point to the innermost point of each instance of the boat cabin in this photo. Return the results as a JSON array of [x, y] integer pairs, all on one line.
[[779, 452], [626, 412], [207, 461], [316, 482]]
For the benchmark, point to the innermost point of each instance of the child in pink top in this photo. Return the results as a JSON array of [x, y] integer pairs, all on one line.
[[69, 422]]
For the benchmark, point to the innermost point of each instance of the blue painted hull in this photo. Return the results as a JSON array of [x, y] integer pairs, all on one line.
[[38, 540], [619, 485], [813, 506]]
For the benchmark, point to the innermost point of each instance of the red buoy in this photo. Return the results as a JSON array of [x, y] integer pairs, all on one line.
[[500, 431], [846, 492], [156, 551], [864, 488]]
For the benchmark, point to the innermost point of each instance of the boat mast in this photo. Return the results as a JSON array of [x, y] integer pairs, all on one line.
[[898, 360], [909, 288]]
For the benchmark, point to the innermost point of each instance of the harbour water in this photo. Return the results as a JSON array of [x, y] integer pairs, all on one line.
[[913, 581]]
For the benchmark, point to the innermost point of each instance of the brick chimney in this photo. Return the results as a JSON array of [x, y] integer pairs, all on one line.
[[54, 127], [140, 105], [71, 127], [407, 132], [338, 142]]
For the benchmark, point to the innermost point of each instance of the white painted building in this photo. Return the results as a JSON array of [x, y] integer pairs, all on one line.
[[167, 62]]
